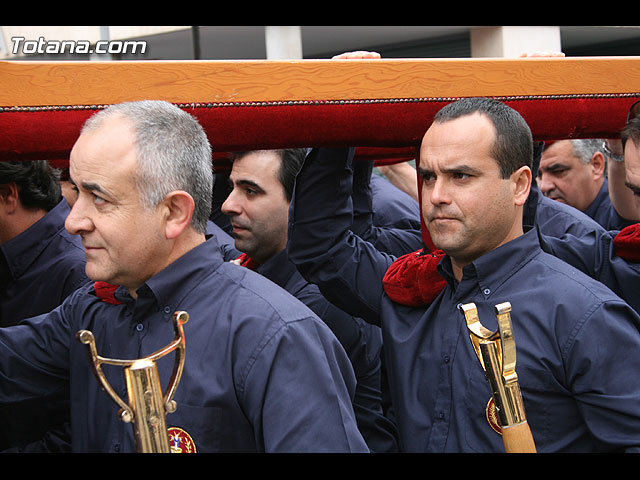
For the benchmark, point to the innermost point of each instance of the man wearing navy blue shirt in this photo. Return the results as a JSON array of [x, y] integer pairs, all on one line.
[[573, 172], [577, 342], [262, 373], [40, 265], [261, 184]]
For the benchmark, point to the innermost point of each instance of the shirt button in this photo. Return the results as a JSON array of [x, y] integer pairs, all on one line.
[[487, 291], [139, 327], [446, 358], [167, 309]]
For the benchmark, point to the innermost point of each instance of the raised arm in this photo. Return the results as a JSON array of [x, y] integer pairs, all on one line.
[[347, 269]]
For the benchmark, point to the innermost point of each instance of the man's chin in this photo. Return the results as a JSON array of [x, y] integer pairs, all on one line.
[[97, 274]]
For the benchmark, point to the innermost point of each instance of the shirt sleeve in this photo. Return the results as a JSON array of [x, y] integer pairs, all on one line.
[[347, 269], [394, 240], [35, 359], [298, 392], [601, 359], [594, 254]]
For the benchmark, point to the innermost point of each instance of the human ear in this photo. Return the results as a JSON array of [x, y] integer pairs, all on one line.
[[179, 207], [9, 196], [597, 164], [521, 182]]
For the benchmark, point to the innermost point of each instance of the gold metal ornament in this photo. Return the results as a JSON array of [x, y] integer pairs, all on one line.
[[497, 354], [148, 407]]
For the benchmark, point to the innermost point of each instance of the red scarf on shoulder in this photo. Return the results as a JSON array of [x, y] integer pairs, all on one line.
[[413, 279], [105, 292], [248, 262], [627, 243]]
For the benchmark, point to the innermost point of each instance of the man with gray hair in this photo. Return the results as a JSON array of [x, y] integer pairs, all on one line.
[[262, 373], [574, 172]]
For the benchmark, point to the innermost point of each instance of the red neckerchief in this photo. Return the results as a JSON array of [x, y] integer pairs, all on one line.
[[627, 243], [413, 279], [246, 261], [105, 292]]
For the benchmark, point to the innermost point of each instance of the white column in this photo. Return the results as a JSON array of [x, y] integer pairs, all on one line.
[[104, 35], [283, 43], [511, 41]]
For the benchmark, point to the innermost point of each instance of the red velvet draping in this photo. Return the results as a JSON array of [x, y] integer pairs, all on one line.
[[379, 128]]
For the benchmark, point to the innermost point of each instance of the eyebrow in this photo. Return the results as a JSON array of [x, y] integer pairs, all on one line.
[[91, 187], [455, 169], [554, 167], [249, 183]]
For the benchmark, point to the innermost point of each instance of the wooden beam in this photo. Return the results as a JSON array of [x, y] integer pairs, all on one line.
[[279, 104], [87, 83]]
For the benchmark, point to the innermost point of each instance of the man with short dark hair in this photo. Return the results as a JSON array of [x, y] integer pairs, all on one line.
[[40, 265], [576, 341], [258, 208], [262, 373]]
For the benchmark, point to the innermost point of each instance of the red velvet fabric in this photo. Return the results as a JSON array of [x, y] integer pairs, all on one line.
[[105, 292], [248, 262], [413, 279], [627, 243], [50, 134]]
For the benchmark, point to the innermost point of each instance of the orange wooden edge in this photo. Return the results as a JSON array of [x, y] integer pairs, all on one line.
[[87, 83]]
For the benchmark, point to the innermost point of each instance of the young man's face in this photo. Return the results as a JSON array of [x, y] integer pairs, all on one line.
[[467, 207], [124, 242], [257, 205]]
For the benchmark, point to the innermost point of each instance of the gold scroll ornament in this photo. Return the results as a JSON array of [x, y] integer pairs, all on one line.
[[497, 354], [148, 407]]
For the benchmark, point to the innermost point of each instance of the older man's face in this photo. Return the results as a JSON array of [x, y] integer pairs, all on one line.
[[124, 242], [632, 170]]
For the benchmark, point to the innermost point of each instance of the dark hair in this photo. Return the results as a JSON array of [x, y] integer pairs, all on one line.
[[513, 145], [292, 160], [631, 132], [291, 163], [37, 182]]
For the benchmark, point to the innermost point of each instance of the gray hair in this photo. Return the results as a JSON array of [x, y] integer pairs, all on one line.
[[584, 149], [173, 153]]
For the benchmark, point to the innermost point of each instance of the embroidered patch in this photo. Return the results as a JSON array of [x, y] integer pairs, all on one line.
[[180, 441], [492, 416]]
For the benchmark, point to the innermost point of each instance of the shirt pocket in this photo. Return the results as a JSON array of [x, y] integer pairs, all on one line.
[[541, 396], [209, 429]]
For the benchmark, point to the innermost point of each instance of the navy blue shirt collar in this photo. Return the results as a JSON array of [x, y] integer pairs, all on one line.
[[167, 289], [494, 268], [278, 269], [602, 196], [21, 251]]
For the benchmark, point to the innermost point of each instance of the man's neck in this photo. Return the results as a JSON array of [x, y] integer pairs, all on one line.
[[458, 264], [19, 222], [186, 242]]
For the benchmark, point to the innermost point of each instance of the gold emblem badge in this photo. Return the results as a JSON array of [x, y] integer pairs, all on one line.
[[492, 416], [180, 441]]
